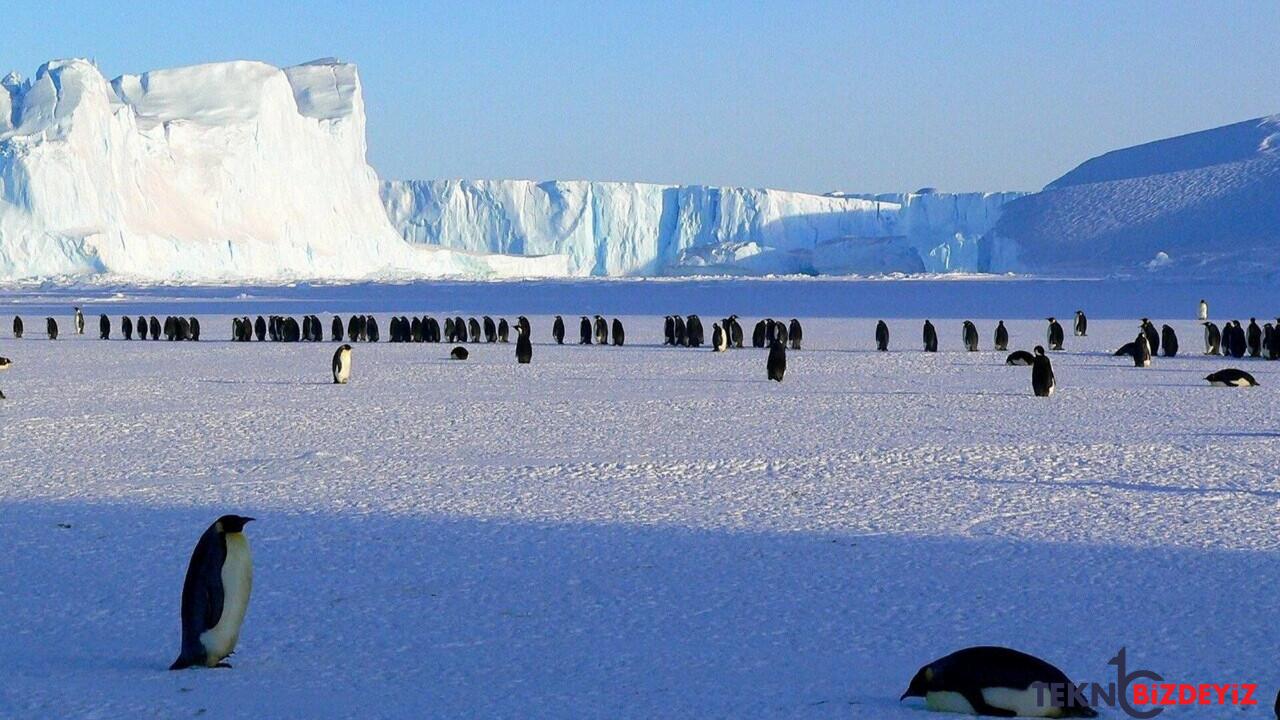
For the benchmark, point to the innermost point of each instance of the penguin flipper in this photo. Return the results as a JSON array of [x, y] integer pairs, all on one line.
[[981, 707]]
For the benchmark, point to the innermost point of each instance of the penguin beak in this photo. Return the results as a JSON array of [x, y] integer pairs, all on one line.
[[248, 520]]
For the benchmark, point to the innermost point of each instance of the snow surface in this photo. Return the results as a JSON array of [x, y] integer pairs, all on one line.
[[614, 228], [235, 170], [630, 532], [1200, 205]]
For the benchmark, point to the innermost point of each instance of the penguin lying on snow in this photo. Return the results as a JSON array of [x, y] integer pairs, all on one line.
[[994, 681], [1020, 357], [458, 353], [5, 364], [1231, 377], [215, 595]]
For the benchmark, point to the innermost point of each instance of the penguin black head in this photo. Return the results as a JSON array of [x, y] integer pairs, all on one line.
[[232, 523], [919, 684], [1039, 350], [1050, 319]]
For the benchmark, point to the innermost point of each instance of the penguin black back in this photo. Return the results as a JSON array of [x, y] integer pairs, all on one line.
[[1169, 340], [795, 333], [17, 327], [490, 330], [619, 335], [970, 335], [882, 336], [584, 331], [930, 335], [758, 334], [524, 347], [991, 681], [557, 330], [1002, 337], [777, 362], [126, 327], [1042, 381], [51, 328], [459, 353]]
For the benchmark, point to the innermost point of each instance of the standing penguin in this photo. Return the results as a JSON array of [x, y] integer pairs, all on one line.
[[17, 327], [104, 327], [758, 334], [668, 330], [523, 322], [1169, 340], [796, 334], [1255, 338], [504, 330], [882, 336], [79, 322], [335, 329], [1042, 380], [473, 327], [584, 331], [1054, 334], [681, 337], [1142, 351], [490, 330], [994, 681], [524, 348], [126, 327], [970, 336], [215, 595], [1153, 336], [719, 339], [342, 365], [1212, 338], [557, 330], [1238, 342], [1082, 324], [602, 331], [195, 329], [777, 363], [1204, 311], [1002, 337], [619, 335], [734, 332], [693, 331], [51, 328], [930, 337]]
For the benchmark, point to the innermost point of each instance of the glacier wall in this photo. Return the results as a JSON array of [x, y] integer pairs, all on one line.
[[229, 171], [612, 228]]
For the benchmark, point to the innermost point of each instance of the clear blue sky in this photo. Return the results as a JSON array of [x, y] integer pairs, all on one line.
[[800, 95]]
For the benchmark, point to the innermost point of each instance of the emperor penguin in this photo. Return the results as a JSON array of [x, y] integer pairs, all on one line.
[[970, 336], [1204, 311], [680, 336], [335, 329], [777, 362], [141, 327], [735, 332], [795, 334], [1126, 350], [994, 681], [1169, 341], [1231, 377], [557, 330], [5, 364], [1255, 338], [668, 330], [882, 336], [473, 327], [1054, 334], [584, 331], [780, 332], [459, 329], [1142, 351], [1020, 357], [524, 348], [195, 329], [619, 334], [126, 327], [693, 328], [51, 328], [1002, 337], [490, 330], [602, 331], [104, 327], [260, 328], [930, 337], [1082, 324], [504, 330], [719, 340], [370, 329], [523, 322], [170, 328], [458, 353], [758, 334], [1153, 337], [342, 365], [449, 333], [17, 327], [1042, 381], [1238, 341], [215, 595], [1212, 338], [353, 328], [79, 322]]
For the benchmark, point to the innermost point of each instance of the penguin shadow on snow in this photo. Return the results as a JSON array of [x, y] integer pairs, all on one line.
[[1136, 487], [264, 383], [554, 605]]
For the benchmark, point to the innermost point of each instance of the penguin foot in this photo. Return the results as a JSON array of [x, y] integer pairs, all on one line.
[[223, 664]]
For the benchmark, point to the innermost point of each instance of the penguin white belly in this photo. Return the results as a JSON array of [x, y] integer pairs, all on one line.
[[344, 370], [1023, 702], [237, 582]]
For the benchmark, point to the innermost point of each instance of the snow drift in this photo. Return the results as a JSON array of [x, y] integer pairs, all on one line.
[[228, 171], [613, 228], [1204, 205]]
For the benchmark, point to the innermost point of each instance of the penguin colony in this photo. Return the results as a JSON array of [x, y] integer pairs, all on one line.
[[777, 336]]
